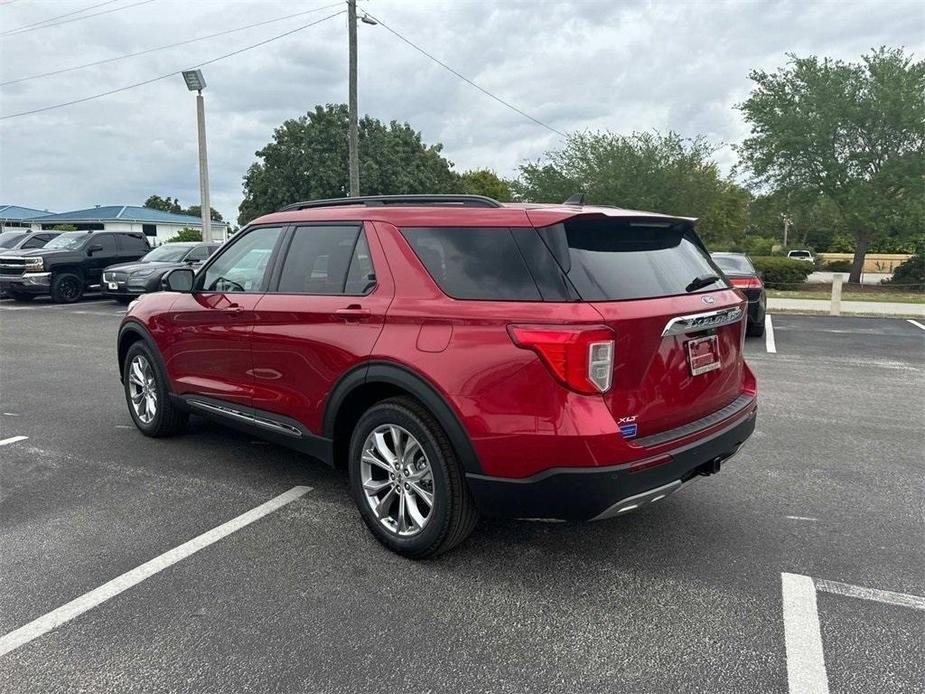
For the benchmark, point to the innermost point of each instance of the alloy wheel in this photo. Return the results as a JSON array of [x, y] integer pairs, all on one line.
[[142, 389], [397, 480], [69, 288]]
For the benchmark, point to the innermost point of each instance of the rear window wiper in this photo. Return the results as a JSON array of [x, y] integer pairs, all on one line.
[[701, 282]]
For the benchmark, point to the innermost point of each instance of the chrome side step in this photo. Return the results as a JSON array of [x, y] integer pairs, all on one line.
[[257, 420]]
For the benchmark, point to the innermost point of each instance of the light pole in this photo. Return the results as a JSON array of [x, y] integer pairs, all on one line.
[[196, 83]]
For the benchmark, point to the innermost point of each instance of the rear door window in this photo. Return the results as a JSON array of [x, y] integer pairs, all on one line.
[[474, 262], [613, 259], [319, 259]]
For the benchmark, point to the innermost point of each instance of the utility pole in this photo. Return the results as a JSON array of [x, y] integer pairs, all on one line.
[[352, 135], [787, 222]]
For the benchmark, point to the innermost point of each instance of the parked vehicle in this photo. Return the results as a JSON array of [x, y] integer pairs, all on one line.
[[742, 275], [67, 264], [457, 356], [125, 281], [805, 256], [13, 241], [24, 240]]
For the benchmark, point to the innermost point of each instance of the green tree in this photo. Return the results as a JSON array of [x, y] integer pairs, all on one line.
[[308, 159], [186, 234], [853, 132], [645, 171], [168, 204], [815, 222], [485, 182], [196, 211], [64, 227]]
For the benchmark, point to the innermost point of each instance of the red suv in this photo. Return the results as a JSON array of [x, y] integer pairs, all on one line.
[[457, 356]]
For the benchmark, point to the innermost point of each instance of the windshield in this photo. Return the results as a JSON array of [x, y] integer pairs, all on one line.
[[167, 253], [69, 241], [734, 264], [8, 239], [799, 254]]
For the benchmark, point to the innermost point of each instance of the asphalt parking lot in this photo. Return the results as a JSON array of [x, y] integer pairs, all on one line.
[[801, 564]]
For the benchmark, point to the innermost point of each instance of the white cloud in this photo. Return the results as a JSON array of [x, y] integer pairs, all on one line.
[[574, 65]]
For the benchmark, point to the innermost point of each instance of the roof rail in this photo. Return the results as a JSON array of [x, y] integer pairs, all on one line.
[[384, 200]]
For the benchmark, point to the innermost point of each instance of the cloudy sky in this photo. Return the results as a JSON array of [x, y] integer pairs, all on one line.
[[618, 65]]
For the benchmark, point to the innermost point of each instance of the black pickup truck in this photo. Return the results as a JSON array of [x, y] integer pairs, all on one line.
[[67, 264]]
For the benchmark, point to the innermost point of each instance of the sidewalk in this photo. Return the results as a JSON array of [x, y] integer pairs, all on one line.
[[852, 308]]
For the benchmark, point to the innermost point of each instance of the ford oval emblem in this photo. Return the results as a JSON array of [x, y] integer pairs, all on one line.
[[708, 299]]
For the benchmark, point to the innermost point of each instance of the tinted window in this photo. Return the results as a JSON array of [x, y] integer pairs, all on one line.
[[242, 265], [198, 253], [734, 264], [34, 242], [130, 242], [107, 241], [474, 263], [361, 277], [608, 259], [318, 260], [168, 253]]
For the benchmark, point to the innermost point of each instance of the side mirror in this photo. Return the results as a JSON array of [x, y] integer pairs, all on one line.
[[178, 280], [95, 247]]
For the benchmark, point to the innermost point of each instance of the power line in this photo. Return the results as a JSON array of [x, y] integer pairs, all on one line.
[[170, 45], [60, 16], [175, 72], [46, 25], [466, 79]]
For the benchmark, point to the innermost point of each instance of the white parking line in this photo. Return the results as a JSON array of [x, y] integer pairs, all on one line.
[[884, 596], [805, 662], [806, 672], [12, 439], [97, 596], [916, 323], [769, 334]]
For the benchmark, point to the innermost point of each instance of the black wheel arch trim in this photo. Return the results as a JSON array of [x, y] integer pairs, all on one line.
[[133, 326], [395, 374]]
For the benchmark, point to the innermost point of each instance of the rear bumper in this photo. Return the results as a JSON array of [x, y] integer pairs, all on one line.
[[602, 492]]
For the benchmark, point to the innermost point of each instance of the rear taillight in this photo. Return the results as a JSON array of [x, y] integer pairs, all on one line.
[[746, 282], [580, 357]]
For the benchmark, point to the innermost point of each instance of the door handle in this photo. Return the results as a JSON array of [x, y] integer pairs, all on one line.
[[353, 312]]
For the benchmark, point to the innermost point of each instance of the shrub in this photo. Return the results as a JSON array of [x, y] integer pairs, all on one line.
[[782, 273], [910, 273], [838, 266], [186, 234]]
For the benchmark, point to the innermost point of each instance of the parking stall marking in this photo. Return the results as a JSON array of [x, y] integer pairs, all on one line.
[[12, 439], [916, 323], [885, 596], [805, 662], [806, 673], [769, 335], [97, 596]]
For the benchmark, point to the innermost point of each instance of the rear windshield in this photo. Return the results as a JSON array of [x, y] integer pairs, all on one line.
[[610, 259], [799, 254], [474, 262], [734, 264]]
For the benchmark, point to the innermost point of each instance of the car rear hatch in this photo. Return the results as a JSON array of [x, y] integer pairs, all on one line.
[[678, 325]]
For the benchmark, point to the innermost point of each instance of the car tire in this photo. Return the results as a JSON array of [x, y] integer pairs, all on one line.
[[21, 296], [147, 394], [431, 466], [66, 288], [754, 329]]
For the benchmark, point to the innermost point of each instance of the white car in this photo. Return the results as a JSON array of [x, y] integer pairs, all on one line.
[[802, 255]]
